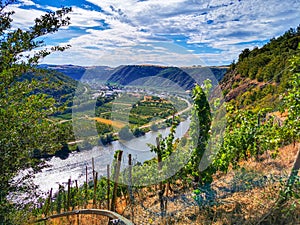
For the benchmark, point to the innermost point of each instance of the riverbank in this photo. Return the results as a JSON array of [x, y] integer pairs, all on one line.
[[60, 170]]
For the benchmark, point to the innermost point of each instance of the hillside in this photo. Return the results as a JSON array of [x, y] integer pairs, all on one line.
[[56, 85], [261, 75], [75, 72], [101, 73], [158, 76], [142, 75], [153, 76], [214, 73]]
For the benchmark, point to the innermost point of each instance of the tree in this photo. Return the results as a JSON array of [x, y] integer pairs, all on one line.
[[200, 126], [245, 53], [125, 133], [24, 125], [154, 127], [292, 102]]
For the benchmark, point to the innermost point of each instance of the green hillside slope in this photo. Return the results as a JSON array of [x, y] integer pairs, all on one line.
[[261, 75], [158, 76]]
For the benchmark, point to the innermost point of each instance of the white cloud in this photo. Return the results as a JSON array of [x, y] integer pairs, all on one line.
[[24, 18], [28, 2], [225, 25], [81, 17]]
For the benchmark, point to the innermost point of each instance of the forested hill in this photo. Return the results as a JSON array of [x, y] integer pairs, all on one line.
[[150, 75], [142, 75], [160, 76], [81, 72], [261, 75], [55, 84]]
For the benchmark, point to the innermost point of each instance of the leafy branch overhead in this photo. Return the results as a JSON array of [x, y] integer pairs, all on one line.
[[25, 130], [14, 43]]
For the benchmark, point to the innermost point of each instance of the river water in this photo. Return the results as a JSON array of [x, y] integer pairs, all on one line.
[[74, 167]]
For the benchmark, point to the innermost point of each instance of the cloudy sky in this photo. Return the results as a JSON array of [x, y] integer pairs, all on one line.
[[168, 32]]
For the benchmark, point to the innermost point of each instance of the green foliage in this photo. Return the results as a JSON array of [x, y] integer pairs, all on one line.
[[137, 132], [55, 84], [270, 61], [106, 139], [252, 127], [103, 128], [156, 76], [125, 133], [264, 73], [166, 147], [166, 150], [199, 132], [248, 134], [154, 127], [140, 113], [292, 103], [25, 127]]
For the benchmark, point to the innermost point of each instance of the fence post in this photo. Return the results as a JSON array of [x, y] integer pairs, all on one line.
[[69, 197], [161, 186], [69, 194], [93, 166], [95, 189], [48, 203], [108, 186], [116, 179], [131, 198], [86, 186]]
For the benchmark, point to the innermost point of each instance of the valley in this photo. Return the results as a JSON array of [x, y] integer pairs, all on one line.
[[148, 143]]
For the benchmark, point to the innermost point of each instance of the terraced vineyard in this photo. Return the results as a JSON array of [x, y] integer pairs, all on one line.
[[138, 111]]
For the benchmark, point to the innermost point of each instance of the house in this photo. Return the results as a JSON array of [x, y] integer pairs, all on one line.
[[147, 98]]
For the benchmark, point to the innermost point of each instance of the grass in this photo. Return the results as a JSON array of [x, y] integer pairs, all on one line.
[[116, 124]]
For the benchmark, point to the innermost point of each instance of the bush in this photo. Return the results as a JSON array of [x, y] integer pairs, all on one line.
[[154, 127], [125, 133]]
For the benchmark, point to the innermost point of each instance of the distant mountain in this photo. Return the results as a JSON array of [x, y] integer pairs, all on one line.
[[214, 73], [160, 76], [149, 75], [127, 74], [142, 75], [97, 73], [81, 72], [75, 72]]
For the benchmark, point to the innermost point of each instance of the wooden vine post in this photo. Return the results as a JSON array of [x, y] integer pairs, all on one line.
[[77, 201], [95, 189], [292, 177], [93, 167], [108, 186], [48, 203], [69, 195], [161, 186], [116, 180], [131, 198], [86, 186]]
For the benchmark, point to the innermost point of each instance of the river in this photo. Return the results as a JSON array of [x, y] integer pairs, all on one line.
[[59, 170]]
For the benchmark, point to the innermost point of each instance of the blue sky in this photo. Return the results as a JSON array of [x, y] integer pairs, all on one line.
[[167, 32]]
